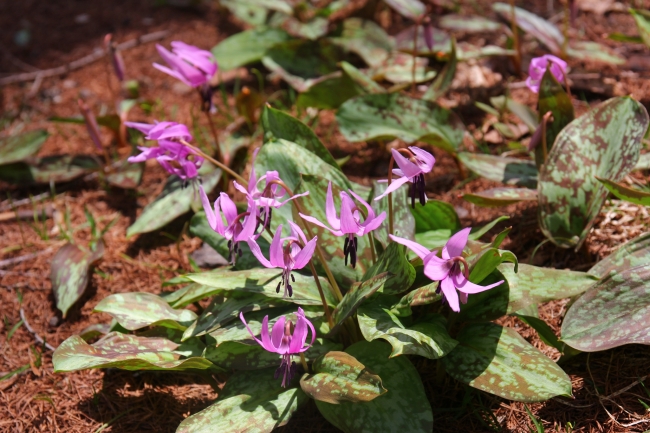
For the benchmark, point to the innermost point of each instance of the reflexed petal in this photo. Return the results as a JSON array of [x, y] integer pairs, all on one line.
[[396, 183], [297, 232], [277, 256], [265, 332], [257, 252], [436, 268], [282, 203], [370, 225], [228, 208], [299, 335], [303, 257], [348, 223], [241, 189], [408, 168], [330, 210], [533, 85], [466, 286], [173, 73], [313, 220], [209, 212], [301, 315], [448, 289], [142, 127], [369, 211], [249, 224], [457, 242], [418, 249], [277, 333], [427, 159]]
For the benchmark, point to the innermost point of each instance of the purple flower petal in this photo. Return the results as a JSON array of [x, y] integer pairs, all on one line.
[[277, 334], [314, 221], [348, 223], [456, 244], [466, 286], [257, 252], [297, 232], [427, 160], [228, 208], [436, 268], [265, 331], [330, 210], [448, 289], [396, 183], [408, 168], [418, 249], [303, 257], [275, 252]]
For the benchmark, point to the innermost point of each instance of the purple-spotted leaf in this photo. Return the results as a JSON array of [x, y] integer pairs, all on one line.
[[421, 296], [372, 117], [404, 408], [441, 42], [246, 47], [404, 221], [631, 254], [522, 111], [70, 273], [366, 39], [444, 79], [128, 352], [137, 310], [496, 197], [544, 31], [21, 146], [626, 193], [330, 93], [604, 142], [511, 171], [483, 263], [401, 273], [469, 24], [339, 377], [58, 168], [435, 215], [594, 52], [498, 360], [251, 401], [361, 78], [312, 29], [614, 312], [644, 162], [412, 9], [398, 69], [553, 98], [126, 176]]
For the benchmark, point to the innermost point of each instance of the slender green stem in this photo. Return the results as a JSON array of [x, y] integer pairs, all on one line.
[[222, 166], [303, 361], [391, 223], [415, 57], [326, 307], [372, 247], [515, 39], [213, 130]]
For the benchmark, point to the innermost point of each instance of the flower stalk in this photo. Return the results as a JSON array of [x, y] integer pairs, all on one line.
[[215, 162]]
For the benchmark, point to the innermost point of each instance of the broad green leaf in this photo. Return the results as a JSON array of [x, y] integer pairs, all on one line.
[[643, 163], [126, 176], [468, 52], [444, 79], [221, 312], [264, 282], [58, 168], [544, 31], [613, 312], [441, 42], [366, 39], [70, 273], [403, 220], [372, 117], [642, 20], [249, 402], [631, 254], [19, 147], [404, 408], [531, 285], [594, 52], [626, 193], [137, 310], [246, 47], [413, 9], [496, 197], [544, 331], [469, 24], [398, 69], [329, 93], [553, 98], [498, 360], [429, 338], [477, 233], [523, 112], [393, 260], [313, 29], [127, 352], [604, 142], [339, 377], [511, 171], [175, 200], [434, 238], [361, 78], [487, 261], [236, 331], [435, 215], [354, 297], [249, 11], [280, 125], [421, 296]]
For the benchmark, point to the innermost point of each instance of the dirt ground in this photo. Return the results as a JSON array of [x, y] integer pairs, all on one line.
[[608, 387]]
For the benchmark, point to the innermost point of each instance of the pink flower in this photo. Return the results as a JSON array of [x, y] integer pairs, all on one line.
[[411, 170], [269, 197], [283, 342], [238, 227], [170, 153], [447, 269], [349, 224], [295, 254], [192, 65], [538, 67]]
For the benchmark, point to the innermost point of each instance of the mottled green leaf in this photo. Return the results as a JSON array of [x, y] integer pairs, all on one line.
[[642, 20], [126, 176], [498, 360], [553, 98], [236, 331], [441, 42], [362, 79], [249, 402], [264, 281], [544, 331], [496, 197], [477, 233], [19, 147], [366, 39], [372, 117], [175, 199], [544, 31], [70, 273], [398, 69], [435, 215], [468, 52], [623, 192], [404, 408], [421, 296], [313, 29], [631, 254], [247, 47], [604, 142], [444, 79], [613, 312], [339, 377], [413, 9], [429, 338], [329, 93], [523, 112], [594, 52], [469, 24], [487, 261], [511, 171], [354, 297], [393, 260], [643, 163], [403, 220], [531, 285], [128, 352], [137, 310], [58, 168]]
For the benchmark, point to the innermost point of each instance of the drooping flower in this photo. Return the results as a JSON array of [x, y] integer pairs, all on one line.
[[447, 269], [412, 170], [538, 67], [269, 197], [116, 58], [349, 224], [172, 155], [285, 340], [293, 252], [238, 227], [191, 65]]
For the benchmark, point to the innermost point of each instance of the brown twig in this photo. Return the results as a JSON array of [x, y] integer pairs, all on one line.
[[15, 260], [37, 337], [84, 61]]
